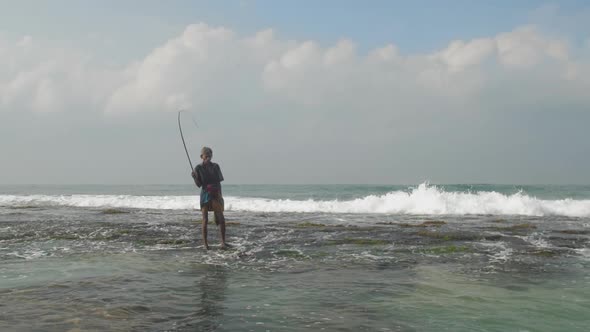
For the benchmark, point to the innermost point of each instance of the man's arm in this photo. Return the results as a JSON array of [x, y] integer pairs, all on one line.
[[219, 175], [196, 178]]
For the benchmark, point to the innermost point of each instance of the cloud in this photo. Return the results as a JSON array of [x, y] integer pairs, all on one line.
[[44, 78], [212, 67], [526, 47], [290, 102], [459, 54]]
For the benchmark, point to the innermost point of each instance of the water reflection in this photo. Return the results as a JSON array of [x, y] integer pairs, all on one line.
[[212, 286]]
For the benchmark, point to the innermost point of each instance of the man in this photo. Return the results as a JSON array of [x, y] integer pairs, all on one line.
[[208, 177]]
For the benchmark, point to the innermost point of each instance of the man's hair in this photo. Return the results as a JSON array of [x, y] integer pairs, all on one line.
[[206, 151]]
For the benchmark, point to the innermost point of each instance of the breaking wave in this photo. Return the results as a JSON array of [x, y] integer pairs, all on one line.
[[422, 200]]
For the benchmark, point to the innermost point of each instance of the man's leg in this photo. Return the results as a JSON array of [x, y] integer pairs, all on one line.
[[220, 221], [204, 227]]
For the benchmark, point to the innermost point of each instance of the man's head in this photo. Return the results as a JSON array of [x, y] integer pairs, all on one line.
[[206, 154]]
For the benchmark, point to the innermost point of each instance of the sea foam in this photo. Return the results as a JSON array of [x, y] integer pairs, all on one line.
[[422, 200]]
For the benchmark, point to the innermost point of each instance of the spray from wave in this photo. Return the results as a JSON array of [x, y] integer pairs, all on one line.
[[422, 200]]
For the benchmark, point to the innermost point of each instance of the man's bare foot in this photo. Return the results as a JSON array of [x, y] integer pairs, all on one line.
[[206, 247], [224, 246]]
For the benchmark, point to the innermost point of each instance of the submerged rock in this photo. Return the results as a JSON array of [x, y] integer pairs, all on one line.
[[114, 211], [359, 241]]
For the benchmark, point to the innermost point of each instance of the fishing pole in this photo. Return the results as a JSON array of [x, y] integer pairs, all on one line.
[[183, 143]]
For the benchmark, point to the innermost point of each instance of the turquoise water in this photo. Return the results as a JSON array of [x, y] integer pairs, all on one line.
[[127, 258], [300, 191]]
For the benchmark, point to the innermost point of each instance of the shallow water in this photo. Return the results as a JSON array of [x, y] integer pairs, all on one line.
[[138, 269]]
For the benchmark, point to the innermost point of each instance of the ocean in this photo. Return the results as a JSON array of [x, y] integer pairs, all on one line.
[[303, 258]]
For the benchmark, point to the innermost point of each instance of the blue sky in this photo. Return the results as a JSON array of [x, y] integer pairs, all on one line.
[[415, 26], [440, 91]]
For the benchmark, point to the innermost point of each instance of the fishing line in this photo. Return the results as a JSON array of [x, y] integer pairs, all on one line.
[[182, 136]]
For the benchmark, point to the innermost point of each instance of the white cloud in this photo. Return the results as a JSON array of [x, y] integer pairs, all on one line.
[[343, 52], [213, 67], [47, 79], [411, 114], [200, 67], [526, 47], [459, 54], [387, 53]]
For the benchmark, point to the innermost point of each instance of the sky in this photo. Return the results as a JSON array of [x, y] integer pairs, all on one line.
[[295, 92]]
